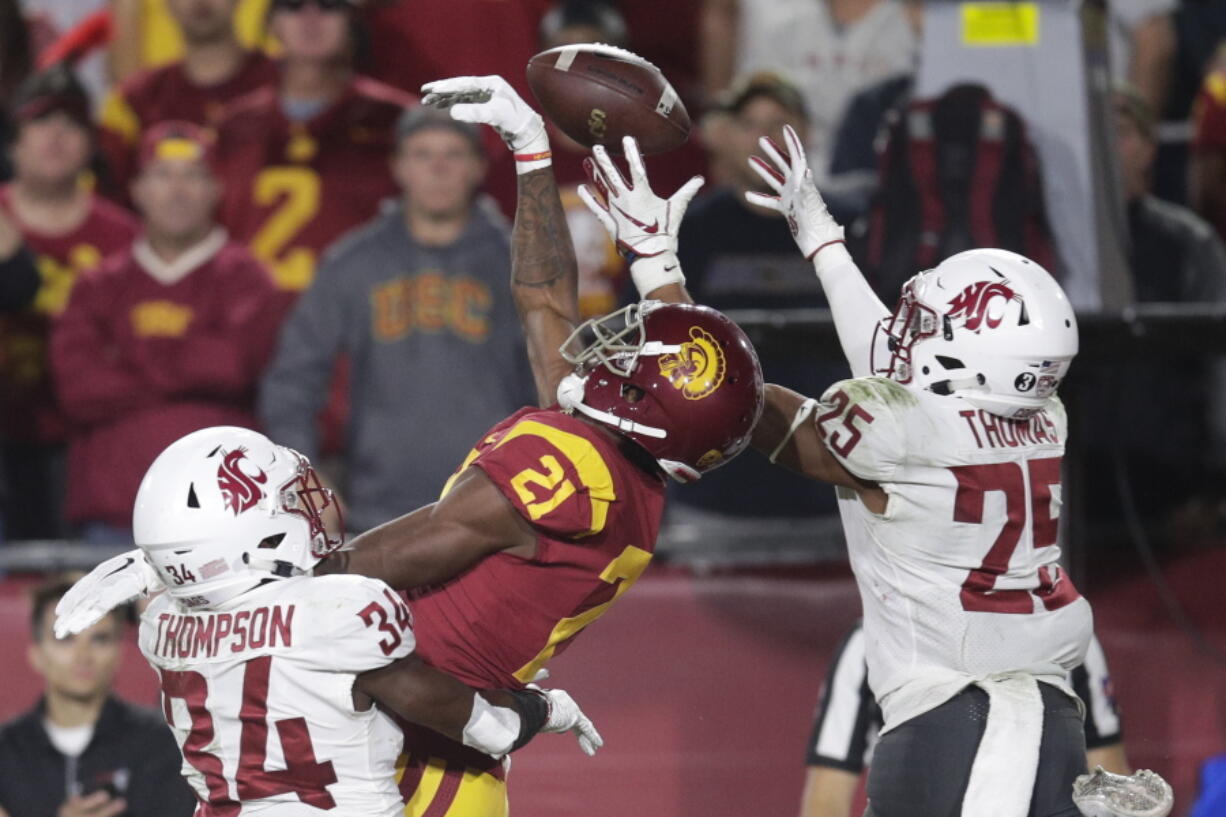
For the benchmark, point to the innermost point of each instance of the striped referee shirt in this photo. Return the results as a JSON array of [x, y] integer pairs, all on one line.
[[848, 718]]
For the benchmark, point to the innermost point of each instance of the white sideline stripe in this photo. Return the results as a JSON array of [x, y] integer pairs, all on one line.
[[565, 58], [843, 704]]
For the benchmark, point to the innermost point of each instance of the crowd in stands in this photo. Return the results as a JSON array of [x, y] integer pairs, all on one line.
[[250, 219]]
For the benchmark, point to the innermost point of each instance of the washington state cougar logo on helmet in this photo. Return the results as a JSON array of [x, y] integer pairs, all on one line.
[[698, 369], [241, 490], [975, 301]]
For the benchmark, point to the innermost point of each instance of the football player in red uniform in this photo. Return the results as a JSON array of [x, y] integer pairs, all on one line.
[[554, 513]]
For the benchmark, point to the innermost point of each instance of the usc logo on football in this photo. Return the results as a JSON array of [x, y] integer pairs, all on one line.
[[596, 124], [698, 369]]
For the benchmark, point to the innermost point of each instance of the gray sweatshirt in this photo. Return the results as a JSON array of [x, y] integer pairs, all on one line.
[[436, 351]]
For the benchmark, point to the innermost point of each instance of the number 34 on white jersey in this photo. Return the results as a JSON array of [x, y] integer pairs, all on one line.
[[259, 694], [960, 576]]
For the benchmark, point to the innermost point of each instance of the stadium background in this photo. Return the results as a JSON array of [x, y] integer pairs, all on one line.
[[703, 681]]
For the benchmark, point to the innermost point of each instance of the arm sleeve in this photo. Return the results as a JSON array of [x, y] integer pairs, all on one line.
[[856, 308], [357, 624], [295, 386], [556, 480], [94, 380], [1092, 681], [19, 281], [848, 717], [227, 359], [858, 423]]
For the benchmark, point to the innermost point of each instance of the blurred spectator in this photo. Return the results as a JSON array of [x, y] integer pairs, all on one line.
[[416, 41], [853, 160], [1174, 257], [830, 48], [215, 69], [602, 272], [160, 340], [736, 256], [81, 751], [955, 172], [57, 23], [418, 301], [306, 160], [66, 229], [145, 33], [1142, 46], [1208, 164]]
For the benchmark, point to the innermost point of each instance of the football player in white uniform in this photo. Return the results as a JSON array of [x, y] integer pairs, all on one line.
[[274, 681], [945, 450]]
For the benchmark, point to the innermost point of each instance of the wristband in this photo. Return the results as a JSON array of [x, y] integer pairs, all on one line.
[[650, 272], [533, 711]]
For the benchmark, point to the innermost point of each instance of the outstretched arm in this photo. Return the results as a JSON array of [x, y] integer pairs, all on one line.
[[495, 721], [544, 274], [856, 309]]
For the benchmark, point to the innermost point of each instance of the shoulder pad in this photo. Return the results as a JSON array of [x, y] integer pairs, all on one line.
[[861, 422], [557, 479]]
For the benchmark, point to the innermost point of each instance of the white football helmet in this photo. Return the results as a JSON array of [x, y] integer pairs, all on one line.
[[224, 509], [989, 326]]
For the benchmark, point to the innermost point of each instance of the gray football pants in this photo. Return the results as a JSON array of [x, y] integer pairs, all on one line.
[[921, 768]]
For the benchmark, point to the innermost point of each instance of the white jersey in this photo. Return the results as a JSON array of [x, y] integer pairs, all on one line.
[[259, 694], [959, 577]]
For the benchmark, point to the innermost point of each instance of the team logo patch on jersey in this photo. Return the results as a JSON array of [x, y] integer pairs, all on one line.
[[983, 301], [240, 489], [698, 369]]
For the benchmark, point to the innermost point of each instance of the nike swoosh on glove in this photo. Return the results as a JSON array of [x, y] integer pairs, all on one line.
[[117, 581], [642, 224]]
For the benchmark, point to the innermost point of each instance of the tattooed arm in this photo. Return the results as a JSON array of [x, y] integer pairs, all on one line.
[[544, 278]]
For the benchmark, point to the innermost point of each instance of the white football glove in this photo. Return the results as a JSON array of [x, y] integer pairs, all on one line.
[[812, 226], [643, 225], [492, 101], [117, 581], [566, 716], [1141, 794]]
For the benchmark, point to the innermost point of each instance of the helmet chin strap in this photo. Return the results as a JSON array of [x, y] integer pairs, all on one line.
[[570, 397]]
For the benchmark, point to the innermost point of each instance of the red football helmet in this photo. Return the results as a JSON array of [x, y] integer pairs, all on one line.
[[680, 380]]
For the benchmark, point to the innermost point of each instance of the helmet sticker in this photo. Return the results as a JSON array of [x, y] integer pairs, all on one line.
[[241, 490], [698, 369], [975, 303], [709, 459], [1024, 381]]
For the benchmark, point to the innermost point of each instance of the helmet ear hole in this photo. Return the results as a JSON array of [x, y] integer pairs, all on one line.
[[271, 541], [192, 500], [950, 363], [632, 393]]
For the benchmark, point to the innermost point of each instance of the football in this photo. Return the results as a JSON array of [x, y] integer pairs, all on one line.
[[596, 94]]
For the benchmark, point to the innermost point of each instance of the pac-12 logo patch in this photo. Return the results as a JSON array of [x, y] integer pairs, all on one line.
[[240, 489], [976, 304], [698, 369]]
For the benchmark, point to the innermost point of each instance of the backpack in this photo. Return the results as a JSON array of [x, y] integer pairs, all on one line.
[[954, 173]]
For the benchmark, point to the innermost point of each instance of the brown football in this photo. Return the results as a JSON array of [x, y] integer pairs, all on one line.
[[596, 94]]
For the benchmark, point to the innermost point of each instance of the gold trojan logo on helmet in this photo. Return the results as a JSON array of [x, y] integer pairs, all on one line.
[[698, 369]]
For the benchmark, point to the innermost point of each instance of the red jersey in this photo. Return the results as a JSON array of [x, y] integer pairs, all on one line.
[[596, 516], [161, 94], [292, 188], [31, 412], [139, 363], [1209, 118]]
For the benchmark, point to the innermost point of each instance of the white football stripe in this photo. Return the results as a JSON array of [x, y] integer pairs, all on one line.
[[565, 58], [668, 100]]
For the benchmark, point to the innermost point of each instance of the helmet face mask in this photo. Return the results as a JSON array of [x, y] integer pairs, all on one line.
[[224, 509], [988, 326], [680, 380]]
